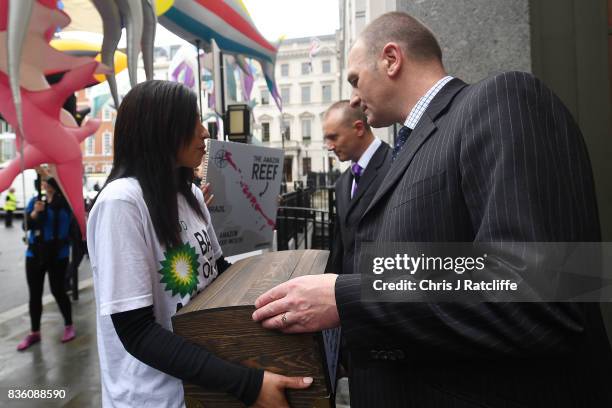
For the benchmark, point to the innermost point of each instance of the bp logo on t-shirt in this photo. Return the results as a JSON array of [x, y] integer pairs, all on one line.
[[180, 270]]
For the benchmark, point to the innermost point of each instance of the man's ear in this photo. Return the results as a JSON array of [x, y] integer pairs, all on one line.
[[392, 59], [359, 127]]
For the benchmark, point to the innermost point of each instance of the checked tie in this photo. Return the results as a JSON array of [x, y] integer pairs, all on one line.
[[356, 170], [402, 136]]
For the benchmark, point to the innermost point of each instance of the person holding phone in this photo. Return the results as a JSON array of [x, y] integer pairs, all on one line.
[[48, 223]]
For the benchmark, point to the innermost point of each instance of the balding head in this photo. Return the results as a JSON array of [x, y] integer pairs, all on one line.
[[346, 131], [393, 63], [348, 114], [412, 35]]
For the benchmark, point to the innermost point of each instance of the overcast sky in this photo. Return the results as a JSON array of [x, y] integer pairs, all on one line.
[[288, 18], [294, 18]]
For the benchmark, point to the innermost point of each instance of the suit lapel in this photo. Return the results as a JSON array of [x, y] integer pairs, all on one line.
[[425, 128], [343, 193]]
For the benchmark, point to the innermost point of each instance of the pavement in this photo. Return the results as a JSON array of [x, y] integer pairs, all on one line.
[[71, 368], [69, 372], [50, 365], [14, 290]]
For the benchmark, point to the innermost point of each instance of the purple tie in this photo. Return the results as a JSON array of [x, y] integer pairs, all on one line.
[[356, 170]]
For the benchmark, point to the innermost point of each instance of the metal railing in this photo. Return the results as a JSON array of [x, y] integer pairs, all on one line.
[[305, 219]]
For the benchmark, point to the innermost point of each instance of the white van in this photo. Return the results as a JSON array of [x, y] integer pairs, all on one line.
[[30, 189]]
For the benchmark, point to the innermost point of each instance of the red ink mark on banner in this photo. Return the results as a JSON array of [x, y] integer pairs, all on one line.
[[254, 203], [230, 160], [247, 192]]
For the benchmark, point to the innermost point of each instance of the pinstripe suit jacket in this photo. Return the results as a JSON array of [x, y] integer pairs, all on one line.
[[500, 160]]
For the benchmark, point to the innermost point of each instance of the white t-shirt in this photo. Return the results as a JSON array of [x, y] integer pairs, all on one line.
[[131, 270]]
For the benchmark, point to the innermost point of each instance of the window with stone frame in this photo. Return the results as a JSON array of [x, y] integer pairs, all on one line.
[[90, 145], [306, 165], [284, 70], [265, 132], [326, 93], [305, 94], [326, 66], [107, 143], [286, 129], [306, 129], [286, 95]]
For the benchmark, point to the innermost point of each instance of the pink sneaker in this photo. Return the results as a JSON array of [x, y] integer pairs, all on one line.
[[30, 339], [69, 334]]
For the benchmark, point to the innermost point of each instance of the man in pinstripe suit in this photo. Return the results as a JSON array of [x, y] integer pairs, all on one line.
[[501, 160]]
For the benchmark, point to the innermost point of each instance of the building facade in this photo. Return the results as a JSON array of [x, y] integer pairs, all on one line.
[[97, 149], [307, 85]]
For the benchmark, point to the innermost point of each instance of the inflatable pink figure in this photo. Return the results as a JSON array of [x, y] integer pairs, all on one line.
[[50, 134], [47, 139]]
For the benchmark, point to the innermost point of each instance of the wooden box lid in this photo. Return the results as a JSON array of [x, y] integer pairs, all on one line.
[[247, 279], [219, 318]]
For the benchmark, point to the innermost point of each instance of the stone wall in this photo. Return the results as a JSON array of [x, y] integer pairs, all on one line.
[[478, 37]]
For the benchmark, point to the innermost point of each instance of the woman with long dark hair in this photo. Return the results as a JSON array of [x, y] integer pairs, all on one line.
[[152, 248], [48, 249]]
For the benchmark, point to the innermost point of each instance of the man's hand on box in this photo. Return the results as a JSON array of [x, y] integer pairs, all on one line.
[[300, 305]]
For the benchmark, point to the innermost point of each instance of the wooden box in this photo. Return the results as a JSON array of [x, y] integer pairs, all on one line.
[[219, 319]]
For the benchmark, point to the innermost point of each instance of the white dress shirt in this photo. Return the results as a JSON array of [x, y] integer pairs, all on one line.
[[365, 158]]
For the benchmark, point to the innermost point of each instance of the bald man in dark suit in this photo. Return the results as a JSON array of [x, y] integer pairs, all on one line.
[[347, 134]]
